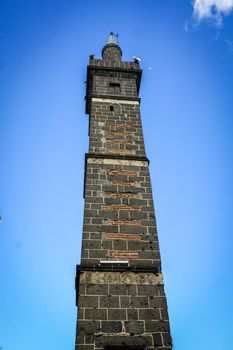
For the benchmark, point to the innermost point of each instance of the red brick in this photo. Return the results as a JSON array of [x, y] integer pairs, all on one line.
[[123, 236], [119, 141], [119, 151], [124, 222], [121, 207], [121, 195], [122, 254], [120, 133], [119, 125], [122, 172], [123, 183]]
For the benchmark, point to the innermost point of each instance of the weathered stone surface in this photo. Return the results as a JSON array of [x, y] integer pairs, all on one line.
[[132, 314], [96, 281], [111, 327], [123, 340], [167, 340], [134, 327], [156, 326], [117, 314], [88, 301], [157, 339], [109, 301], [96, 314], [85, 347], [149, 314], [88, 326]]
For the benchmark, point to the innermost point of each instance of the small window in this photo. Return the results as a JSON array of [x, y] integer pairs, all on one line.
[[111, 108], [115, 87]]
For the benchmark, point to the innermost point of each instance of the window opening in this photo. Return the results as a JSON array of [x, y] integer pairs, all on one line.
[[114, 87]]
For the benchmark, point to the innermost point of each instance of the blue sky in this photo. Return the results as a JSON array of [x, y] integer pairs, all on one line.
[[187, 111]]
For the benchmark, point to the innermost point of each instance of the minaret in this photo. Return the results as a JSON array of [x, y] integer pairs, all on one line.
[[119, 283]]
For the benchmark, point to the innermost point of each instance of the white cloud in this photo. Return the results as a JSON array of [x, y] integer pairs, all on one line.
[[186, 26], [229, 44], [212, 9]]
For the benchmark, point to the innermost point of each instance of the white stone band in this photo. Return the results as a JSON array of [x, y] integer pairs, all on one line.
[[116, 161], [115, 101], [126, 277]]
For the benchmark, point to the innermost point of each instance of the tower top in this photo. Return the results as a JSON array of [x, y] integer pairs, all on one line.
[[113, 38], [112, 50]]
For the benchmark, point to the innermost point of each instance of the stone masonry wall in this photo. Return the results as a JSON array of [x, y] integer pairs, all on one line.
[[102, 82], [118, 305], [114, 64], [112, 52], [122, 309], [119, 220], [115, 128]]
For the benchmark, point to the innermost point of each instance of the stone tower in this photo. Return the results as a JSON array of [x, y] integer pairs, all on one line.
[[119, 283]]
